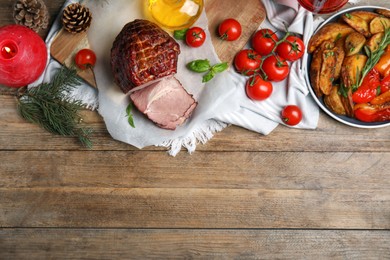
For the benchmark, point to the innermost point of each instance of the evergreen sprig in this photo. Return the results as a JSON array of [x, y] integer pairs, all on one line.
[[50, 106]]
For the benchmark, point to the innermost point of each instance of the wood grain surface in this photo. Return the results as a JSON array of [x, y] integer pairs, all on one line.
[[294, 194]]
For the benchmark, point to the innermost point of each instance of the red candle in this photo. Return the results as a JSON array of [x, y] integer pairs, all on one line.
[[23, 56]]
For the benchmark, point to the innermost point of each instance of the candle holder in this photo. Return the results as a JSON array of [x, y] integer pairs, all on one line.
[[23, 56]]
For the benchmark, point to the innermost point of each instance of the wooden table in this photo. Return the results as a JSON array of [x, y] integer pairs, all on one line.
[[292, 194]]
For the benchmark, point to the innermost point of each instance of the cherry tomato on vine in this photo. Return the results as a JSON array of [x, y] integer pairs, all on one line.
[[291, 49], [275, 68], [195, 37], [247, 62], [291, 115], [229, 29], [257, 88], [85, 59], [264, 41]]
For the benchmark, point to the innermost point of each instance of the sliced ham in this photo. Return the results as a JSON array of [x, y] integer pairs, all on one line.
[[165, 102]]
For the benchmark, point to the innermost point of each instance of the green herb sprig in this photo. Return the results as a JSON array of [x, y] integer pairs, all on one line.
[[49, 106], [129, 115], [202, 66], [374, 56]]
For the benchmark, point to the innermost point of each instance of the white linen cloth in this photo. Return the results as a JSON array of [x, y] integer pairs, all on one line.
[[264, 116], [222, 101]]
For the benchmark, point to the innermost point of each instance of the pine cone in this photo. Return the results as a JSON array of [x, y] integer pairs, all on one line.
[[31, 13], [76, 18]]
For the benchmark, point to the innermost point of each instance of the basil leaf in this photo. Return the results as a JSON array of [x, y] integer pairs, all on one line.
[[199, 65], [180, 34], [208, 76], [130, 119], [129, 108], [217, 68]]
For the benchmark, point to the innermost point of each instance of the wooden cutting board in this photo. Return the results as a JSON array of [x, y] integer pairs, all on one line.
[[250, 13]]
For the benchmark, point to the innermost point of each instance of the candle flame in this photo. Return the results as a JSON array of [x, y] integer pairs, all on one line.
[[7, 49]]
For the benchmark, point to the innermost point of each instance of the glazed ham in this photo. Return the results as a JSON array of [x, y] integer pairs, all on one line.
[[143, 61], [166, 103], [141, 53]]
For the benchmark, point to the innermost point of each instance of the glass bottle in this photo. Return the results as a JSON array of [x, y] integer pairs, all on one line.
[[174, 14]]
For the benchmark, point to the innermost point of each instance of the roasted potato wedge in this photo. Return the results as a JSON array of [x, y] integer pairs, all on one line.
[[333, 101], [352, 68], [327, 71], [379, 24], [354, 42], [330, 32], [348, 103], [373, 42], [383, 12], [316, 65], [365, 15], [340, 55], [357, 23]]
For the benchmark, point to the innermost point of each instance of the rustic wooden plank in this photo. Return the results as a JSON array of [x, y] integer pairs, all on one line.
[[194, 208], [189, 244], [329, 136], [226, 170]]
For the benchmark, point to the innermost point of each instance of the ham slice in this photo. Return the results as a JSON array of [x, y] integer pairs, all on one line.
[[165, 102]]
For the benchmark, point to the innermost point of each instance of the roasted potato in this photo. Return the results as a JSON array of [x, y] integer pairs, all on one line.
[[354, 42], [383, 12], [330, 32], [357, 23], [333, 101], [352, 68], [365, 15], [348, 103], [373, 42], [379, 24], [327, 71], [316, 65], [340, 54]]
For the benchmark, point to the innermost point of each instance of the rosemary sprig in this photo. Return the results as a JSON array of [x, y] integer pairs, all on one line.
[[374, 56], [50, 106]]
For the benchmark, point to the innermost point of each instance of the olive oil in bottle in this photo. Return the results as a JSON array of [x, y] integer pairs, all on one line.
[[174, 14]]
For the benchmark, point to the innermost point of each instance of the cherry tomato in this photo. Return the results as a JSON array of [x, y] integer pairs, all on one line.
[[291, 115], [275, 68], [264, 41], [247, 62], [195, 37], [229, 29], [291, 49], [369, 89], [85, 59], [258, 89]]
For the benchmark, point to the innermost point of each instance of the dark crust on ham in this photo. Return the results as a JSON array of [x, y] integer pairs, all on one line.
[[142, 52]]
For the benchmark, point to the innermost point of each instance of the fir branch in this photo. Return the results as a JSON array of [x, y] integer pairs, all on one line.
[[50, 106]]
